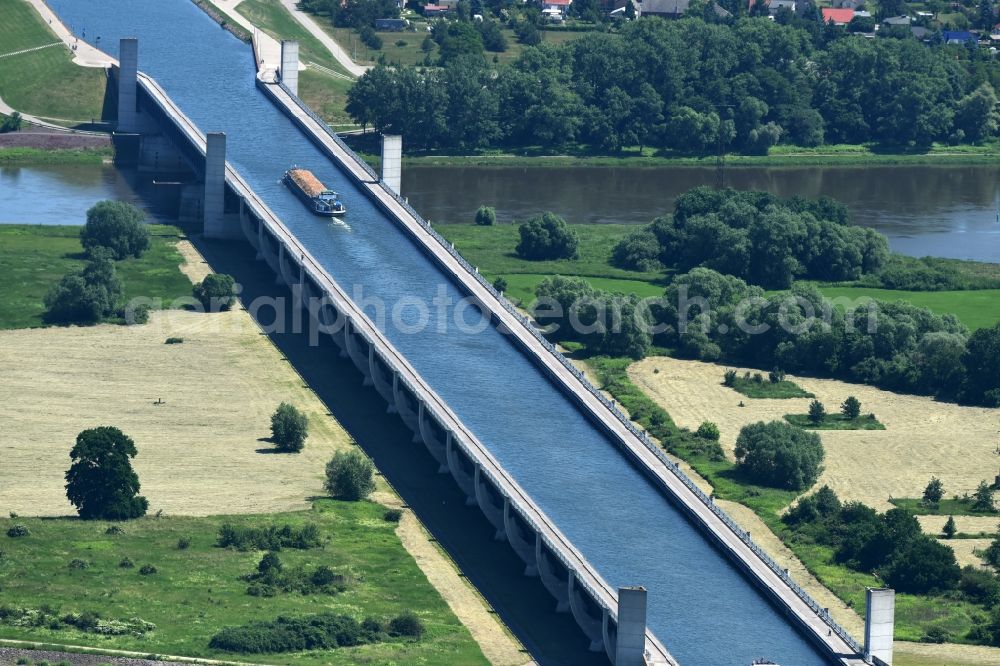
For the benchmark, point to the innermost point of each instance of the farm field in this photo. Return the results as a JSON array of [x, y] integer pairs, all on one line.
[[975, 308], [196, 590], [955, 443], [71, 95]]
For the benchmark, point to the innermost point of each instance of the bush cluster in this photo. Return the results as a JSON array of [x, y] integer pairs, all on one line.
[[270, 537], [547, 236], [779, 454], [88, 296], [271, 577], [350, 476], [890, 543], [315, 632], [18, 530]]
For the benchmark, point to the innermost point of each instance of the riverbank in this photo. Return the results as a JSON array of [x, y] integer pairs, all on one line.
[[780, 156], [29, 156]]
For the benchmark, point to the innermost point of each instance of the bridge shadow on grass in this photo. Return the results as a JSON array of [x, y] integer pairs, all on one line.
[[493, 567]]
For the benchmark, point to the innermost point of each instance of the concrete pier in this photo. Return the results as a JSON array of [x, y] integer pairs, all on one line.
[[128, 71], [630, 639], [392, 162], [290, 65], [215, 188], [880, 612]]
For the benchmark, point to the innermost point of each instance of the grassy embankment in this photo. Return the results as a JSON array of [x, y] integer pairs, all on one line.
[[492, 250], [779, 156], [45, 83], [197, 590], [16, 156], [34, 258], [324, 93]]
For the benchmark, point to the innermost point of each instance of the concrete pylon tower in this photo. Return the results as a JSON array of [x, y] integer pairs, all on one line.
[[631, 641], [880, 611], [128, 73], [392, 161], [215, 185], [290, 65]]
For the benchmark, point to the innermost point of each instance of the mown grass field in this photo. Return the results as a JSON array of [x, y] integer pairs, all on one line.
[[975, 308], [33, 258], [197, 591], [44, 83]]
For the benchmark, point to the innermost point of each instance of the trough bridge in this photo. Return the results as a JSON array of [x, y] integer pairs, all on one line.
[[584, 498]]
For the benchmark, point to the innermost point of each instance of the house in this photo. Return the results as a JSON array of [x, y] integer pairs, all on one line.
[[897, 20], [666, 8], [840, 16], [437, 11], [920, 33], [774, 6], [995, 33], [391, 24], [958, 37], [561, 6]]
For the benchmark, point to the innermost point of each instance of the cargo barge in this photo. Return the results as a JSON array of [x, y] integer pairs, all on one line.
[[313, 193]]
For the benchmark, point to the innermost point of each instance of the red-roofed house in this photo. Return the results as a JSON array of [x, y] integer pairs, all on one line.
[[561, 5], [838, 16]]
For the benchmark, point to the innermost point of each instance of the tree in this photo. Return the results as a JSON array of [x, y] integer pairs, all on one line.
[[982, 366], [949, 528], [11, 123], [817, 412], [986, 15], [500, 284], [349, 476], [982, 499], [639, 251], [851, 408], [117, 226], [547, 236], [86, 297], [933, 492], [923, 565], [486, 216], [289, 428], [976, 114], [527, 33], [100, 483], [708, 430], [779, 454], [216, 293]]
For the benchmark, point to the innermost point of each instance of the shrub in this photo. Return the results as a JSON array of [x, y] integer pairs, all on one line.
[[817, 412], [271, 537], [86, 297], [147, 570], [18, 530], [729, 379], [270, 562], [101, 482], [136, 315], [370, 38], [486, 216], [779, 454], [708, 430], [500, 284], [183, 543], [776, 376], [406, 624], [174, 341], [126, 563], [77, 563], [349, 476], [289, 428], [851, 408], [216, 293], [117, 226], [922, 565], [392, 515], [547, 237], [400, 43], [639, 251]]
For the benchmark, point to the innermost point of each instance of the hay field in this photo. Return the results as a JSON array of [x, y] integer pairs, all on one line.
[[923, 438], [198, 452], [965, 524]]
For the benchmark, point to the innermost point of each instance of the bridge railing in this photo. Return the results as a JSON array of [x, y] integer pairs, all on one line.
[[611, 405]]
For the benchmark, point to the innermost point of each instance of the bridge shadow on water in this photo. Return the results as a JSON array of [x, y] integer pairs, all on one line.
[[493, 567]]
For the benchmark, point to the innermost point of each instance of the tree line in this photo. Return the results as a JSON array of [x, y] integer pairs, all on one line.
[[688, 87]]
